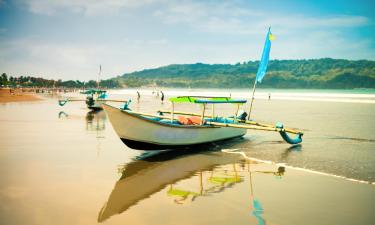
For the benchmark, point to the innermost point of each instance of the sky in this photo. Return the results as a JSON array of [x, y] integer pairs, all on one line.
[[70, 39]]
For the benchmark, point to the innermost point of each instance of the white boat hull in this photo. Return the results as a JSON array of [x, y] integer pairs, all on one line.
[[141, 133]]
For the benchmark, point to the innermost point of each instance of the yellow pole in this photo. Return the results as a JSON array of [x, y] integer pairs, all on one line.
[[252, 99]]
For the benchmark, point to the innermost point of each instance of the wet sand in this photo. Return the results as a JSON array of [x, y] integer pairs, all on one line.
[[67, 166], [16, 95]]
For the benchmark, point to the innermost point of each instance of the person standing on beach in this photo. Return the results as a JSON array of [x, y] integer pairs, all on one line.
[[162, 97], [138, 96], [269, 96]]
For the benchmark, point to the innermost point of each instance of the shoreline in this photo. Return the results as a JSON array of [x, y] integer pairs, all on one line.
[[306, 170], [8, 95]]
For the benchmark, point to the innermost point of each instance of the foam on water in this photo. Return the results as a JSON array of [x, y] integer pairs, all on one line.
[[235, 151], [353, 96]]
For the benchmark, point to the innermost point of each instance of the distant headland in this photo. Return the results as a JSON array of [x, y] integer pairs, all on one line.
[[323, 73]]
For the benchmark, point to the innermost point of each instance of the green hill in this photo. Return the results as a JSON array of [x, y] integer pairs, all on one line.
[[312, 73]]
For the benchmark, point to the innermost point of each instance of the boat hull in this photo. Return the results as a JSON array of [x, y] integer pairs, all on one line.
[[141, 133]]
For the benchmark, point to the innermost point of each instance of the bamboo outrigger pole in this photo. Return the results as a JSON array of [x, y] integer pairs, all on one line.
[[293, 131]]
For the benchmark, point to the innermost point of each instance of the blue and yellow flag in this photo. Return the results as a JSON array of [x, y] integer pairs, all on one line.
[[265, 57]]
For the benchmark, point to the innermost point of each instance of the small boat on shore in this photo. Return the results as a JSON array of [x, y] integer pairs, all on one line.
[[150, 131], [145, 131], [94, 100]]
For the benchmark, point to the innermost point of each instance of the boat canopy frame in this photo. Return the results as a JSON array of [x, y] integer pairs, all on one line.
[[207, 100], [204, 100], [93, 91]]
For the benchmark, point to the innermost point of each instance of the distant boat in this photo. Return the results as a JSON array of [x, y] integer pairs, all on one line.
[[95, 98], [156, 131]]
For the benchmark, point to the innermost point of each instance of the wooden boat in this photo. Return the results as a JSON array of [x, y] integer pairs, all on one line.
[[154, 132], [145, 131], [95, 98]]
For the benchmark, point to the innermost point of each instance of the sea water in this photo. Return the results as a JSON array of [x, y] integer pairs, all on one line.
[[338, 126], [66, 165]]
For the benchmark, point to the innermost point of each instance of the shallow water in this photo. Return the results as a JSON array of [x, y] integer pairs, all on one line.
[[65, 165]]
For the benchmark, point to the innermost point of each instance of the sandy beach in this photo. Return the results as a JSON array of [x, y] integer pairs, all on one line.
[[66, 165], [16, 95]]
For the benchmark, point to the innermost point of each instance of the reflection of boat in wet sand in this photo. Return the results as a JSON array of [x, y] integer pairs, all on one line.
[[95, 121], [141, 179], [216, 172]]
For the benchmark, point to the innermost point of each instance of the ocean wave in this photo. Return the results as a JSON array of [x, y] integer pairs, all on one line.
[[235, 151], [323, 96]]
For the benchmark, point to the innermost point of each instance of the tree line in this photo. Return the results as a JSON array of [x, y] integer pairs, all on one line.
[[310, 73], [29, 81]]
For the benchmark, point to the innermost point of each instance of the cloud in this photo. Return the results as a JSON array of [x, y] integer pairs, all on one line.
[[93, 7], [30, 56], [225, 18], [305, 22], [170, 32], [321, 44]]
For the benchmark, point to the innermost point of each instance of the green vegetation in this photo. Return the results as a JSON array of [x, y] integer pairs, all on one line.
[[313, 73], [28, 81]]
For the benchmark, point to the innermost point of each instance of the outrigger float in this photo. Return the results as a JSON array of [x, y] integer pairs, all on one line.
[[95, 98], [146, 131]]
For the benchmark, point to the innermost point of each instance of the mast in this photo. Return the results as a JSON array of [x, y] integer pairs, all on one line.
[[98, 80], [262, 65], [252, 99]]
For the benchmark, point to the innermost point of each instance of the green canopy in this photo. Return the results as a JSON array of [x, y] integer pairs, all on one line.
[[206, 100]]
